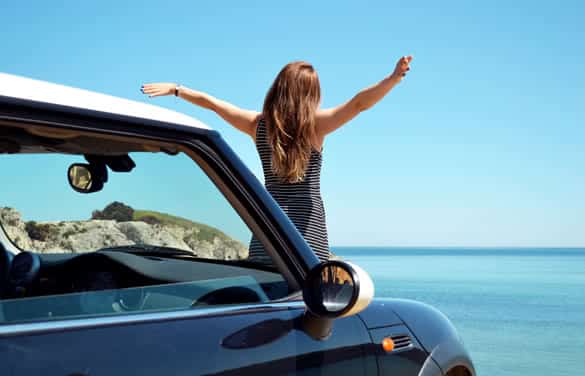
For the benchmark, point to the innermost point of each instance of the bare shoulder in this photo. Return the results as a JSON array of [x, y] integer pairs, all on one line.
[[255, 120], [323, 117]]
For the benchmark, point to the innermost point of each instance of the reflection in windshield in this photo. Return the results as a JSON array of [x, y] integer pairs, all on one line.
[[80, 177]]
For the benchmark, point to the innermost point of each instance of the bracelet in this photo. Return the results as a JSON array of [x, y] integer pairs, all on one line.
[[177, 90]]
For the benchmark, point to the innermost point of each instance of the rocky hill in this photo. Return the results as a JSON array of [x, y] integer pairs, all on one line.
[[140, 227]]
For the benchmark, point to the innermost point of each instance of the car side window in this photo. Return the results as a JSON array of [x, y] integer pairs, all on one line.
[[158, 237]]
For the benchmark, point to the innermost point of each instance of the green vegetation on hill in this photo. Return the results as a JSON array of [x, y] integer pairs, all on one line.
[[117, 211], [41, 231], [205, 232], [121, 212]]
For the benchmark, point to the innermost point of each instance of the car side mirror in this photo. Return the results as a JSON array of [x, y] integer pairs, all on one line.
[[337, 289], [84, 179], [334, 289]]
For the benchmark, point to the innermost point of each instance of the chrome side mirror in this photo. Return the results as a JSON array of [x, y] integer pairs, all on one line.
[[337, 289]]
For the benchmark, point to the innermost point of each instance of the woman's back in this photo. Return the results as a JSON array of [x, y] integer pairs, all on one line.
[[300, 201], [291, 124]]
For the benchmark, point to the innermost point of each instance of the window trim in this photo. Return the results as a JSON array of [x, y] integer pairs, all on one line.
[[234, 197], [43, 327]]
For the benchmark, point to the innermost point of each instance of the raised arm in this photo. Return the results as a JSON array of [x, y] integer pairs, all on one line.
[[244, 120], [328, 120]]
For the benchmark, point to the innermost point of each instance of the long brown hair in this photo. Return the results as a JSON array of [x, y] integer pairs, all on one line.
[[289, 112]]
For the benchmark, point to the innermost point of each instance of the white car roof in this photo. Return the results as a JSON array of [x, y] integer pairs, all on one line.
[[41, 91]]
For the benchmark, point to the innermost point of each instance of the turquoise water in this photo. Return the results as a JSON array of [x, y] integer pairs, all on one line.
[[519, 311]]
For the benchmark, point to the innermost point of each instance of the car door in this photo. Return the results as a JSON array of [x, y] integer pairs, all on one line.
[[245, 340]]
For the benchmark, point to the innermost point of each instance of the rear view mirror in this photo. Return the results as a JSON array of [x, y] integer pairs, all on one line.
[[83, 179], [88, 178]]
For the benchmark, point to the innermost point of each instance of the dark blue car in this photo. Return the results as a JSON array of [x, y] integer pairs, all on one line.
[[124, 251]]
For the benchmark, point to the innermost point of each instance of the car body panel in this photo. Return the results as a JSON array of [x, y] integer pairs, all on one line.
[[47, 92], [406, 360], [430, 368], [435, 333], [379, 313], [266, 342]]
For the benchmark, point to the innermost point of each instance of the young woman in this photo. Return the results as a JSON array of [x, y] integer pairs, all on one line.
[[289, 135]]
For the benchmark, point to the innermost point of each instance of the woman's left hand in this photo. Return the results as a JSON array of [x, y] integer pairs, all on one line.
[[158, 89], [402, 66]]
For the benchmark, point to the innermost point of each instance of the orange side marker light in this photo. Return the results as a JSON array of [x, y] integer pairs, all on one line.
[[388, 344]]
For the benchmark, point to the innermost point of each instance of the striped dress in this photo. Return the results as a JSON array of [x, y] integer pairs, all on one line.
[[300, 201]]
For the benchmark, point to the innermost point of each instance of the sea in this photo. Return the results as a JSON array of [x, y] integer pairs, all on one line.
[[520, 311]]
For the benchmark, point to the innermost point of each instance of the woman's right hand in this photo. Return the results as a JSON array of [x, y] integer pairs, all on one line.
[[402, 66], [158, 89]]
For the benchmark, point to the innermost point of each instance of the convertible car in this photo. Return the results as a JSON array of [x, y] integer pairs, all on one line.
[[124, 233]]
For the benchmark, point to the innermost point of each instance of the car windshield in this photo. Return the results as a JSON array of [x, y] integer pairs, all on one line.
[[133, 200], [102, 226]]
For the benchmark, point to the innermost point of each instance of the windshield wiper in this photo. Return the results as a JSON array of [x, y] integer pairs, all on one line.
[[148, 249]]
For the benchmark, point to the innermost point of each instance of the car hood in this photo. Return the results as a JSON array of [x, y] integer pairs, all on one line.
[[380, 313]]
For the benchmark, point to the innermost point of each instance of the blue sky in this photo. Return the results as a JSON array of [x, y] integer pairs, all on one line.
[[483, 144]]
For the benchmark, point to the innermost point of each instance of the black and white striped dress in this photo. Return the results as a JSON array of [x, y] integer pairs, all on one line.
[[300, 201]]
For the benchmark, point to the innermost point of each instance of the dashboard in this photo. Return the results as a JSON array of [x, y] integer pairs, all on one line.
[[58, 286]]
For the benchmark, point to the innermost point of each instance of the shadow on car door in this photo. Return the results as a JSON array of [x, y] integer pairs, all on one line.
[[250, 341]]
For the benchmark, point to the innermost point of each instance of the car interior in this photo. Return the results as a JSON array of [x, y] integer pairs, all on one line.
[[60, 271]]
